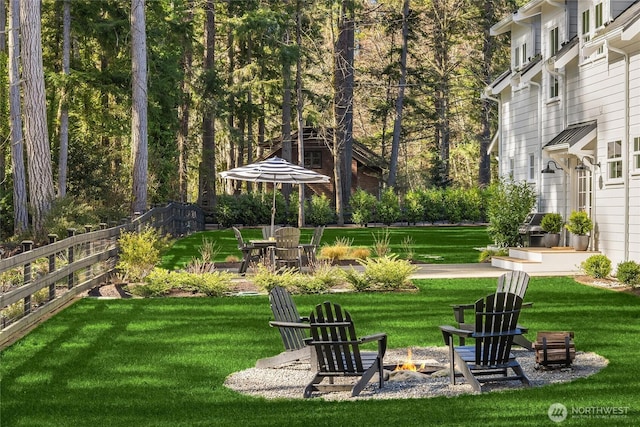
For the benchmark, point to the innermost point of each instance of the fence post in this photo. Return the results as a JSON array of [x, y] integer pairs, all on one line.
[[70, 256], [52, 267], [27, 245]]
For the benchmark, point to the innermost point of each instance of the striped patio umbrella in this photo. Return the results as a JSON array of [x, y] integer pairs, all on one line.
[[274, 170]]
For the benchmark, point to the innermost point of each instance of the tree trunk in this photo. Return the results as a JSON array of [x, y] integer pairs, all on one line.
[[184, 109], [20, 215], [64, 99], [41, 190], [4, 97], [488, 47], [208, 165], [344, 82], [442, 92], [397, 125], [139, 105]]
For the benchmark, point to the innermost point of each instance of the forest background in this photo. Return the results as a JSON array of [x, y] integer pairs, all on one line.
[[219, 79]]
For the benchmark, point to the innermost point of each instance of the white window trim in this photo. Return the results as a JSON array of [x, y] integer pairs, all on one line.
[[610, 161], [531, 167], [635, 155]]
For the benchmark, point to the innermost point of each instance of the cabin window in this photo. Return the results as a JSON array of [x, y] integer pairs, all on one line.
[[614, 160], [524, 53], [512, 166], [516, 58], [313, 159]]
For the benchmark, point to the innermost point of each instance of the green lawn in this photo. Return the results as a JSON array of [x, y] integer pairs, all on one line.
[[162, 362], [443, 245]]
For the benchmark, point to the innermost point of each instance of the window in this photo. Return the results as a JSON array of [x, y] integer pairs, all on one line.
[[599, 18], [614, 160], [516, 58], [586, 27], [554, 42], [636, 153], [532, 167], [512, 167], [313, 159], [524, 53], [553, 88]]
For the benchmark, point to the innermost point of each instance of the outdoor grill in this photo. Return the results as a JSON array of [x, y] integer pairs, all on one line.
[[530, 231]]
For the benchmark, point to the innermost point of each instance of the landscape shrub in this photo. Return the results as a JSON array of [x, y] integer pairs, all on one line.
[[324, 277], [386, 273], [160, 282], [472, 201], [140, 252], [597, 266], [381, 242], [388, 208], [359, 253], [267, 278], [253, 209], [454, 205], [628, 272], [407, 248], [68, 213], [433, 202], [508, 204], [362, 207], [339, 250], [413, 207], [487, 254], [319, 211], [226, 210]]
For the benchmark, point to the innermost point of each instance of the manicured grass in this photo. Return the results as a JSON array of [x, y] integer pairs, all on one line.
[[162, 362], [447, 244]]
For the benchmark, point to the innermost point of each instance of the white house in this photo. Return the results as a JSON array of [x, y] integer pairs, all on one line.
[[570, 103]]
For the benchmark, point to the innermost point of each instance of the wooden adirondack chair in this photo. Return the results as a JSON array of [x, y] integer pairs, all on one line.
[[292, 329], [337, 351], [309, 249], [287, 249], [494, 331], [515, 282], [250, 253]]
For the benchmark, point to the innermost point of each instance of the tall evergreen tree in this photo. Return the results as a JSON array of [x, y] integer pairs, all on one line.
[[41, 190], [139, 120]]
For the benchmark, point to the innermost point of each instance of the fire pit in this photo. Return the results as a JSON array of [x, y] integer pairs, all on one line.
[[410, 370]]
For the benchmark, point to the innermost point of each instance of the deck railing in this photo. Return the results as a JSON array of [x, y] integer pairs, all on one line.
[[38, 282]]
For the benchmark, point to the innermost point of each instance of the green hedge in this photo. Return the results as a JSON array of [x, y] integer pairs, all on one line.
[[450, 205]]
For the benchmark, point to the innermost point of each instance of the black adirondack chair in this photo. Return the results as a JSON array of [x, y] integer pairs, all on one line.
[[515, 282], [293, 329], [338, 353], [490, 358]]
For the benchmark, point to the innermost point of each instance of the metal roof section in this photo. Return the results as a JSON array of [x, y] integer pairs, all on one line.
[[580, 133]]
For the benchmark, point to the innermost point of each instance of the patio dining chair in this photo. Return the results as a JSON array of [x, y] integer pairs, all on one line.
[[287, 249], [250, 253]]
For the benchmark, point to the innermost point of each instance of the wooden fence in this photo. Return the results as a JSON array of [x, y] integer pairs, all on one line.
[[38, 282]]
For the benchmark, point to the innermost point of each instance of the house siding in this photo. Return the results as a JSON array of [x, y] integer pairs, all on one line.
[[591, 87]]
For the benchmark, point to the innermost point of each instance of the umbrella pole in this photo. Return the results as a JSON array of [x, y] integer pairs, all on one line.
[[273, 210]]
